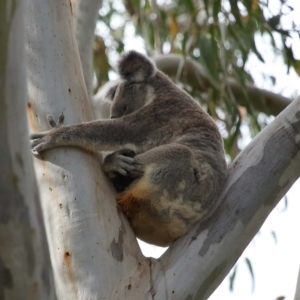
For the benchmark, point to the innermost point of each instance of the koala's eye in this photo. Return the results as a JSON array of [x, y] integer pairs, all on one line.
[[124, 107]]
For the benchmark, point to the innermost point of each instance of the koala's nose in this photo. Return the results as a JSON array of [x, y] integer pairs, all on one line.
[[113, 117]]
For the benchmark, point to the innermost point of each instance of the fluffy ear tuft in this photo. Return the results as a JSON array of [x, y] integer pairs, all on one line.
[[135, 67]]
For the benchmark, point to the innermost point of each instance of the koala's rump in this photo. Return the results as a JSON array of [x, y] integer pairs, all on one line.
[[158, 205]]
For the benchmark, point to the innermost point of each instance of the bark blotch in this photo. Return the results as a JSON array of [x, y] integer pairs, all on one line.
[[71, 8], [31, 117], [5, 277], [6, 280], [46, 277], [211, 279], [19, 160], [67, 256], [15, 210], [121, 216], [67, 260], [117, 247], [35, 288]]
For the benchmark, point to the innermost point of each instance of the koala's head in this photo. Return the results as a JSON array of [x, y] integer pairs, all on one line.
[[133, 91]]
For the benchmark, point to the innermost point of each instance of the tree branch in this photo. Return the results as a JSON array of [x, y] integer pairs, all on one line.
[[25, 271], [86, 16], [297, 292], [197, 263], [193, 74]]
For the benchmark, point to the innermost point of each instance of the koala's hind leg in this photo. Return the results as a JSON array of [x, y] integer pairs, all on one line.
[[161, 204]]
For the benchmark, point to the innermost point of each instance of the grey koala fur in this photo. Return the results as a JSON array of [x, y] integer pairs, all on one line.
[[177, 167]]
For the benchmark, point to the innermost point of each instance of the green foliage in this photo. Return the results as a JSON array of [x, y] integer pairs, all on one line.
[[232, 275], [249, 265], [220, 35]]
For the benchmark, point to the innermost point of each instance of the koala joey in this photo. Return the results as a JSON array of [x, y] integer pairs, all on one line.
[[168, 165]]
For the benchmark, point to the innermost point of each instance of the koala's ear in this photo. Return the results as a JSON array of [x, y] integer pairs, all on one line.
[[135, 67]]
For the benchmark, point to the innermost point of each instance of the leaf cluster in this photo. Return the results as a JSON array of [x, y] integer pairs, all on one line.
[[219, 34]]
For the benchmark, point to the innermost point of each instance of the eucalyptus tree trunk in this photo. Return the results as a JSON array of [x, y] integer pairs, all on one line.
[[25, 271], [94, 253]]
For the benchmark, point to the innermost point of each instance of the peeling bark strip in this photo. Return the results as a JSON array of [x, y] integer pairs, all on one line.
[[258, 179]]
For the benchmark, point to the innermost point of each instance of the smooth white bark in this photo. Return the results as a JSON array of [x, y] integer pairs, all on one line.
[[196, 264], [94, 253], [86, 15], [25, 271], [297, 293]]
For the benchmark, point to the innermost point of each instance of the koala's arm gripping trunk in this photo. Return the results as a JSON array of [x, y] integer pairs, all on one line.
[[101, 135]]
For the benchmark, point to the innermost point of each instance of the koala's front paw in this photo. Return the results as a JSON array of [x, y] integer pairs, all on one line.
[[44, 140], [122, 162]]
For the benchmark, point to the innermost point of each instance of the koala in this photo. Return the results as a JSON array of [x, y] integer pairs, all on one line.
[[168, 164], [120, 169], [101, 102]]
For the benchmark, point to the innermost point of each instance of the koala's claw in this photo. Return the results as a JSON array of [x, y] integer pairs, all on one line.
[[52, 123], [61, 118], [122, 164], [38, 135], [38, 142], [41, 141], [39, 148]]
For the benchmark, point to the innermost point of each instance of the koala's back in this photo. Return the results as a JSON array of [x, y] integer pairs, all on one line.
[[173, 117]]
